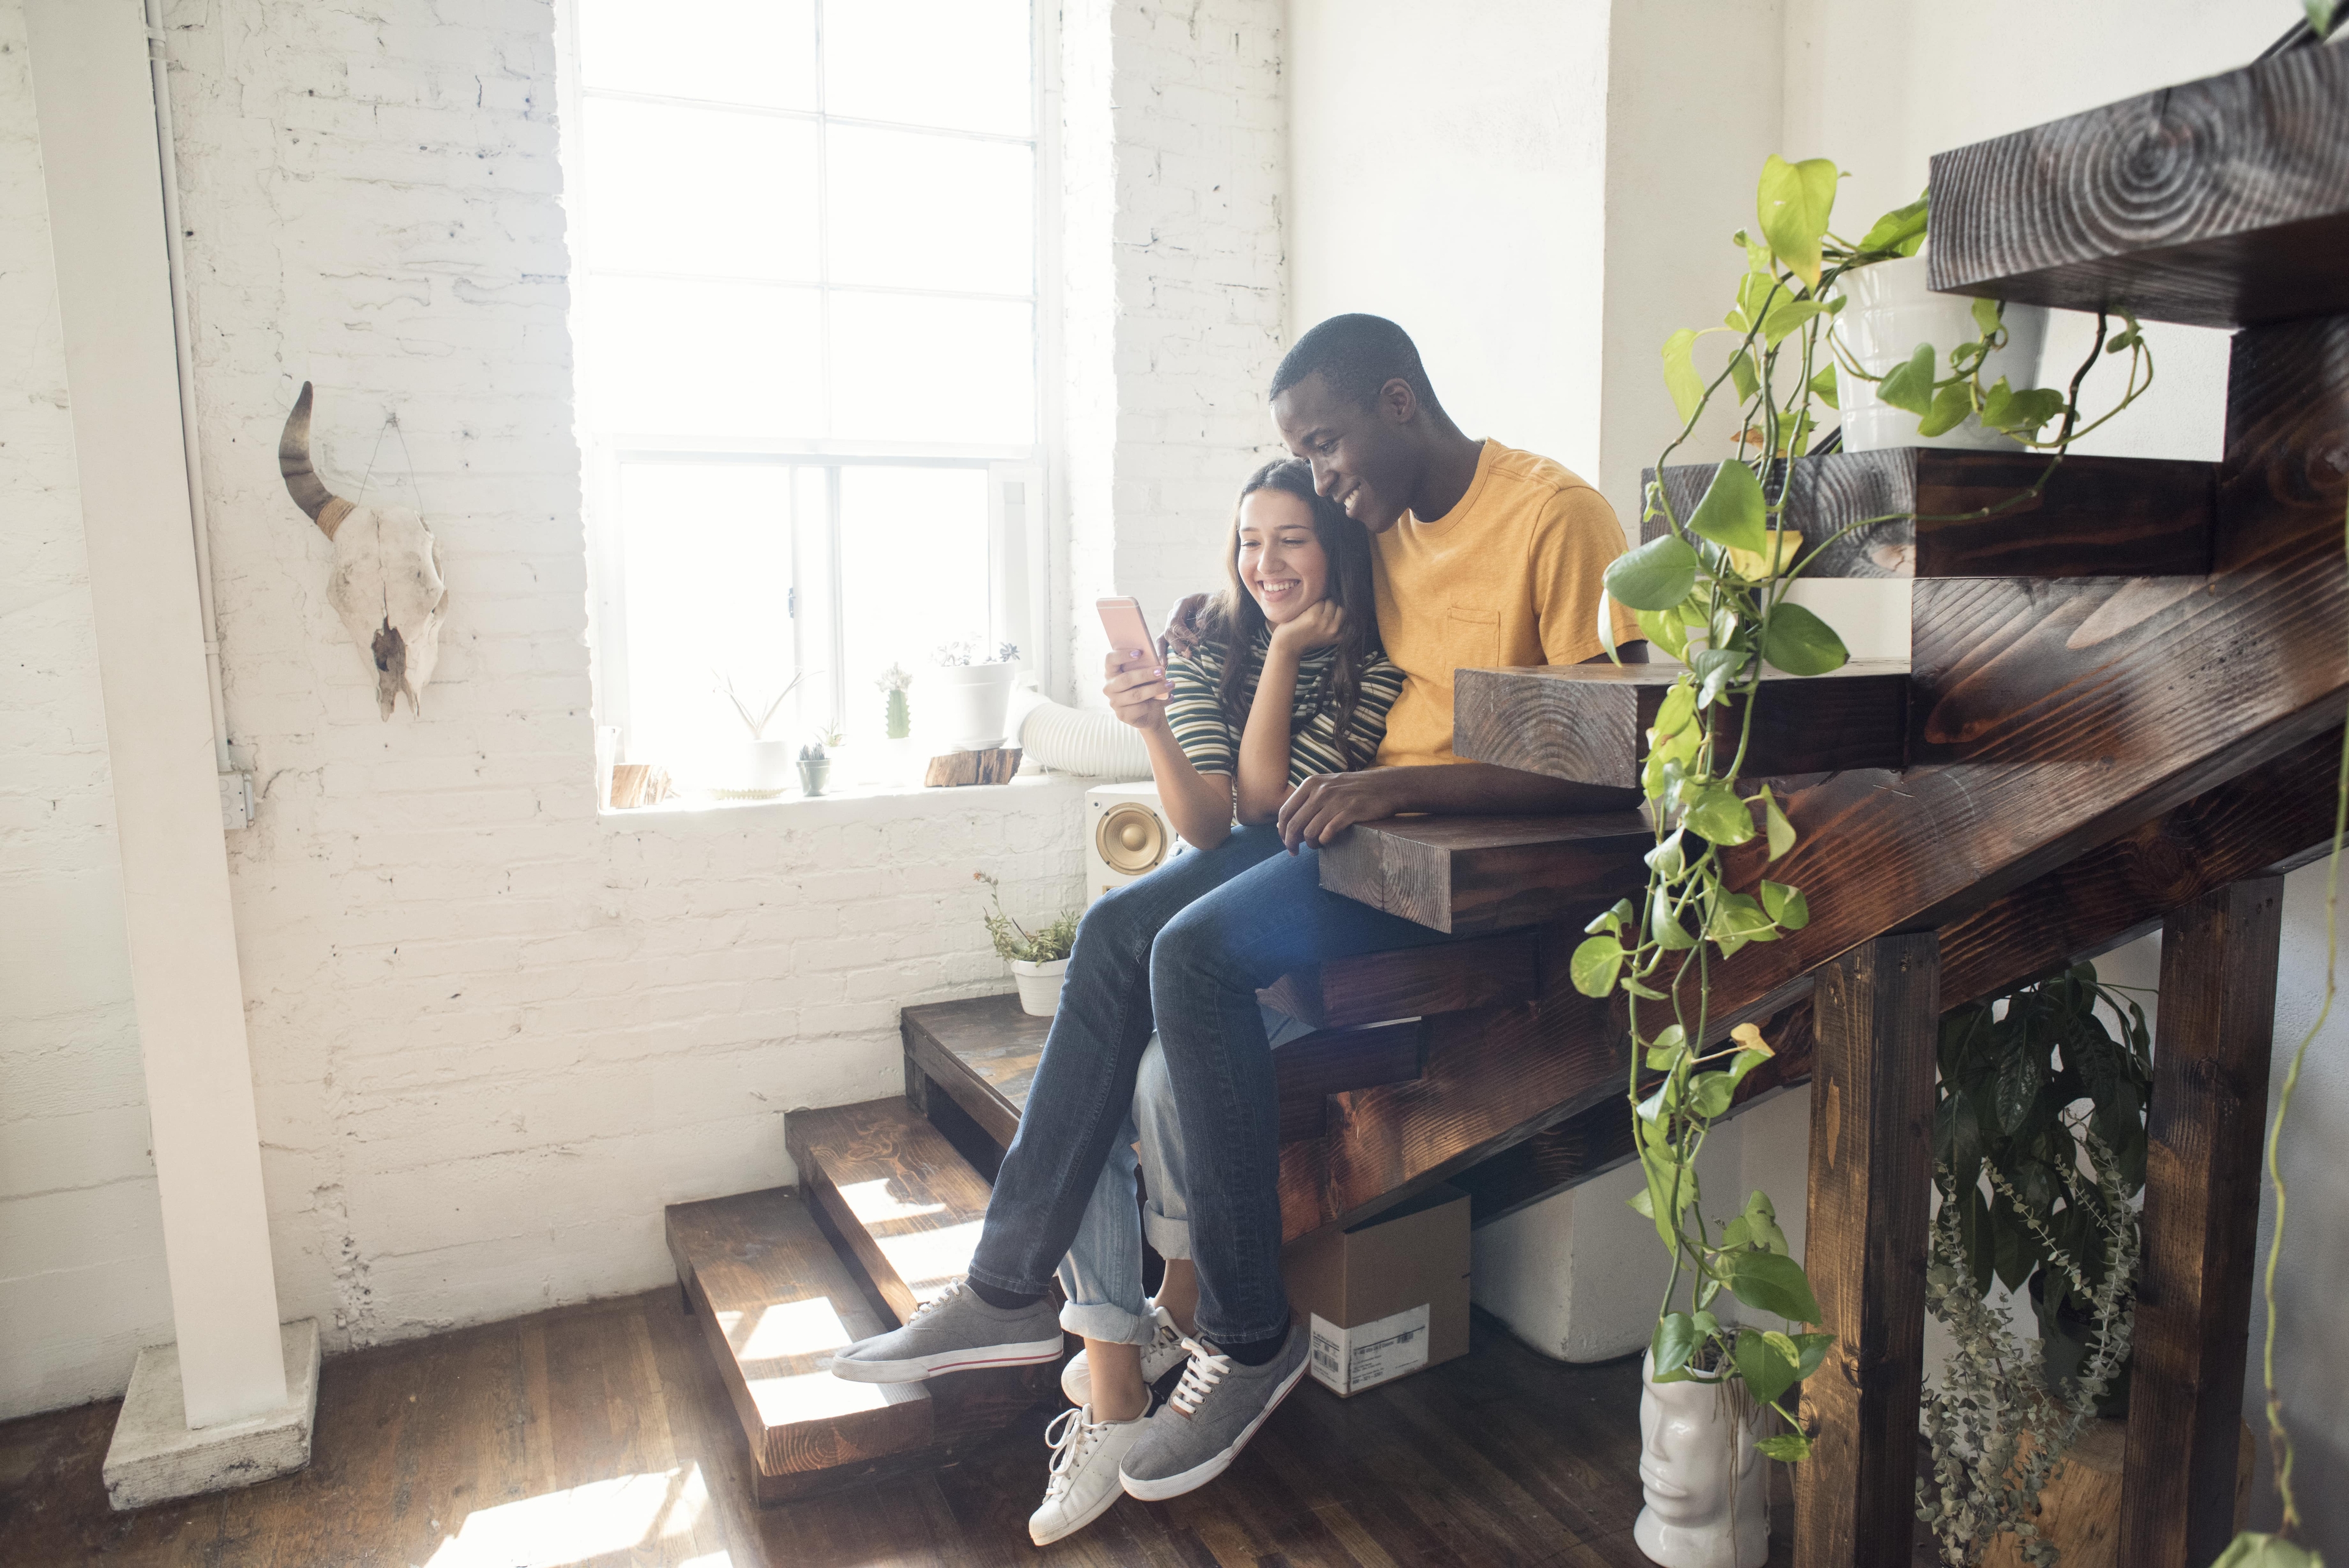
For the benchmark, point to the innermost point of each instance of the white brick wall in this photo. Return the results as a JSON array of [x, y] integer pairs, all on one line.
[[491, 1034], [1175, 126]]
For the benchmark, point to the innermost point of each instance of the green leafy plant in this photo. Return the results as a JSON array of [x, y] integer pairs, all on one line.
[[1710, 590], [1015, 943], [2015, 1071]]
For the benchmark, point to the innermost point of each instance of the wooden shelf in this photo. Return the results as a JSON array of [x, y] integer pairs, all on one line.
[[1476, 874], [906, 1206], [1589, 723], [2099, 517], [2219, 203]]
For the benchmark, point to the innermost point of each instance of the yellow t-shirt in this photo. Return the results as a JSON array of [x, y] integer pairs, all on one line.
[[1509, 576]]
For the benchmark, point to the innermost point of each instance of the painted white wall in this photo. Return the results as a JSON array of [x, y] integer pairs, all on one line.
[[1446, 169], [493, 1034]]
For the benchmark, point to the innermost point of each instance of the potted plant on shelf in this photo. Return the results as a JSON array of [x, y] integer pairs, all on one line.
[[972, 692], [815, 763], [894, 762], [1038, 958], [764, 766], [1710, 589], [2034, 1188]]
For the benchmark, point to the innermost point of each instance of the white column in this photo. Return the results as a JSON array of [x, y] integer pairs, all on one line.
[[95, 109]]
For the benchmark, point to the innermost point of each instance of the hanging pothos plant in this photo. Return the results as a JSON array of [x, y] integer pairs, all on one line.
[[1710, 590]]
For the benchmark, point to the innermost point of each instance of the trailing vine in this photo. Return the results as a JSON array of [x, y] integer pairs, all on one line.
[[1710, 590]]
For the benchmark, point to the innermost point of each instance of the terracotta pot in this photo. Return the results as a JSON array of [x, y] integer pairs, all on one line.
[[1704, 1481]]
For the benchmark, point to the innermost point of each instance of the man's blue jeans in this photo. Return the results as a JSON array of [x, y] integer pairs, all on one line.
[[1189, 946]]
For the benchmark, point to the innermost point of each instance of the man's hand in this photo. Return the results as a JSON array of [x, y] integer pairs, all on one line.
[[1326, 804]]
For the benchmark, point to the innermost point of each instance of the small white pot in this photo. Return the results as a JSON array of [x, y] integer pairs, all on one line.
[[1039, 985], [767, 764], [1695, 1516], [1891, 312], [963, 704]]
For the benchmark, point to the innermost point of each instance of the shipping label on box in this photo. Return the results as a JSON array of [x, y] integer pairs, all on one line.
[[1348, 1360]]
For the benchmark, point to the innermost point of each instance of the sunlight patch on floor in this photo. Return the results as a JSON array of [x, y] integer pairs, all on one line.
[[558, 1529], [872, 1203]]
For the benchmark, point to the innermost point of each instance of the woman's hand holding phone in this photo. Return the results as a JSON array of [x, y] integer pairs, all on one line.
[[1137, 690]]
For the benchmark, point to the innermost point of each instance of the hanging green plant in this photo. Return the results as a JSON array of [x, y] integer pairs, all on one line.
[[1710, 590]]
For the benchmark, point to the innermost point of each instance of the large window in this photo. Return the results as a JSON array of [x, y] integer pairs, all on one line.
[[805, 306]]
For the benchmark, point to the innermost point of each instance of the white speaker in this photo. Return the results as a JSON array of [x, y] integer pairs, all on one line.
[[1126, 835]]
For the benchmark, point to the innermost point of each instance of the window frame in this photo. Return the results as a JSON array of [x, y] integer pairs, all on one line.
[[1026, 483]]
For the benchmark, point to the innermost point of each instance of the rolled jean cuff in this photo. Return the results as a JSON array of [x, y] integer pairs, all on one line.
[[1168, 1236], [1009, 1287], [1104, 1322]]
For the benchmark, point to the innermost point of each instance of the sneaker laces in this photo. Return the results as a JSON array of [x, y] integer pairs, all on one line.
[[1205, 1370], [959, 1288], [1071, 1437]]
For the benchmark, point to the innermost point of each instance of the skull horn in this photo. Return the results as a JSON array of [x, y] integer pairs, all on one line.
[[326, 508]]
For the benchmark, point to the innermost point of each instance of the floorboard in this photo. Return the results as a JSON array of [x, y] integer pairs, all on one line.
[[600, 1435]]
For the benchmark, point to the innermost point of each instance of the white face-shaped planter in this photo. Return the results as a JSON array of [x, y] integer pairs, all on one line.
[[1701, 1513], [386, 586]]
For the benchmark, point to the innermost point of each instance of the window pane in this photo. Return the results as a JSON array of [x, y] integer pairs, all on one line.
[[703, 358], [707, 572], [700, 190], [959, 63], [913, 574], [736, 51], [910, 211], [907, 368]]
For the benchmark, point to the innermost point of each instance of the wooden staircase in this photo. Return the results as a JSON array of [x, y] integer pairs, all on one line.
[[2122, 710]]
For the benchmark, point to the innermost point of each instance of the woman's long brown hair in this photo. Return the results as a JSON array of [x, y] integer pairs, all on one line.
[[1233, 617]]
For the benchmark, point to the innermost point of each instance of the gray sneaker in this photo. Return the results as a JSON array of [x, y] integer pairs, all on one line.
[[1209, 1419], [955, 1332]]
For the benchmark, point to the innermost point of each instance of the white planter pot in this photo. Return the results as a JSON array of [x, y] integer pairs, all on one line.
[[767, 765], [1039, 985], [1697, 1516], [1891, 312], [963, 704]]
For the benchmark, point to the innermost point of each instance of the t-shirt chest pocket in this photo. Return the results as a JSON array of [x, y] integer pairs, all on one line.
[[1472, 639]]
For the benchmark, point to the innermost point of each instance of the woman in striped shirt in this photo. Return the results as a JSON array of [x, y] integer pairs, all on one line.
[[1279, 676], [1277, 679]]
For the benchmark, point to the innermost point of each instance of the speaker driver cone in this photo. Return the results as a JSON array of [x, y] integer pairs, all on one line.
[[1131, 838]]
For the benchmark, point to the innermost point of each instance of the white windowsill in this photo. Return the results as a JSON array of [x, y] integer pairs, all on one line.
[[848, 803]]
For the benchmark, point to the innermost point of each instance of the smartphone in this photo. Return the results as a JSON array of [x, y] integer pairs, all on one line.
[[1128, 628]]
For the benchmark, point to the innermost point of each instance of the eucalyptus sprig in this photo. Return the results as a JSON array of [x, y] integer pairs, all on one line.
[[1710, 590]]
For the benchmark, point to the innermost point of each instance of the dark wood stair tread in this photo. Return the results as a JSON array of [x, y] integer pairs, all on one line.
[[1589, 723], [2218, 203], [905, 1207], [1468, 875], [775, 1301], [2097, 517]]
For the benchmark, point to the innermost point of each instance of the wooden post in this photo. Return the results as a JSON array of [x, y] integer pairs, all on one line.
[[2211, 1043], [1875, 1010]]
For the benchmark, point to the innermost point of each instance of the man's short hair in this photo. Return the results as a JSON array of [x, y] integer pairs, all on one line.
[[1356, 355]]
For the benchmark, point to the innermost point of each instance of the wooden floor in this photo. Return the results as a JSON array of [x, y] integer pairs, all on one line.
[[599, 1435]]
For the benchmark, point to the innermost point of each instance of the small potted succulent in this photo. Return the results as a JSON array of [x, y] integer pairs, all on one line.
[[815, 763], [765, 765], [973, 691], [1038, 958]]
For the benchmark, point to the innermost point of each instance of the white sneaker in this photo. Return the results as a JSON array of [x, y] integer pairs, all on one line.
[[1084, 1479], [1162, 1356]]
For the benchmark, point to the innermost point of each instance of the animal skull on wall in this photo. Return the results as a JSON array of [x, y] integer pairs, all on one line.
[[385, 584]]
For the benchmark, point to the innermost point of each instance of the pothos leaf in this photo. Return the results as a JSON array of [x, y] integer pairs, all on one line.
[[1732, 512], [1768, 1371], [1790, 1448], [1986, 317], [1794, 203], [1680, 379], [1951, 406], [1595, 965], [1741, 376], [1673, 1342], [1774, 823], [1787, 905], [2253, 1549], [1902, 230], [1773, 1283], [1666, 632], [1910, 385], [1720, 817], [1656, 576], [1800, 643], [1822, 387]]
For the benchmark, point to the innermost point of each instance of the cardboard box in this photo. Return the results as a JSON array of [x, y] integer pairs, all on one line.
[[1386, 1297]]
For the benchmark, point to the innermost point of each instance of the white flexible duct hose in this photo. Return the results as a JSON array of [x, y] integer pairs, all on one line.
[[1091, 742]]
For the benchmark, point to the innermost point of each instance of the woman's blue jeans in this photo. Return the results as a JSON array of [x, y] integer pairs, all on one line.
[[1186, 946]]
